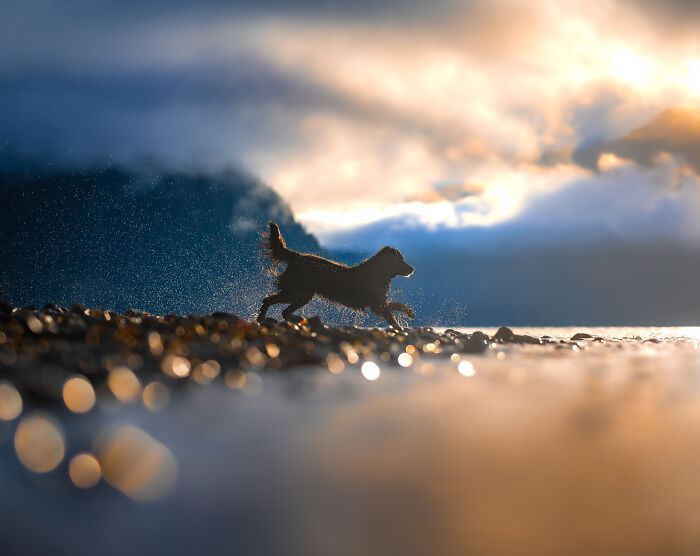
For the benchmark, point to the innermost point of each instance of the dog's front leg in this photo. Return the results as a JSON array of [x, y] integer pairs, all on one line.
[[384, 312], [381, 311], [397, 306]]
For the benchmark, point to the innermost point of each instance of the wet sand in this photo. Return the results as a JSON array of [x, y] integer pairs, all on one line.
[[475, 446]]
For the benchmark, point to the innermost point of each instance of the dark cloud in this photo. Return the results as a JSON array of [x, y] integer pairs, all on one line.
[[213, 108], [675, 131], [552, 157]]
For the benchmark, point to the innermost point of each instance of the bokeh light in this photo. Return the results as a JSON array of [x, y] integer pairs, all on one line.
[[124, 384], [156, 396], [370, 370], [78, 394], [135, 463], [466, 368], [174, 365], [405, 360], [10, 401], [205, 372], [39, 443], [84, 470], [235, 379], [335, 364]]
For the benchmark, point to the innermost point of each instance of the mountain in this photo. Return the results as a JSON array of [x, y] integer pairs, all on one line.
[[121, 238]]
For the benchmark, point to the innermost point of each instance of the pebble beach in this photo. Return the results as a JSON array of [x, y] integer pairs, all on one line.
[[273, 437]]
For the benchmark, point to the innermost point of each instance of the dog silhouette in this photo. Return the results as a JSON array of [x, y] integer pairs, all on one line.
[[362, 286]]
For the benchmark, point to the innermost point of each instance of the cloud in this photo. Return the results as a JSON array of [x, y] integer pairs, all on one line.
[[675, 131], [452, 192], [209, 113], [623, 203]]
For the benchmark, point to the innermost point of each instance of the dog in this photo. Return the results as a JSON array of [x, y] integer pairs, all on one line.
[[360, 287]]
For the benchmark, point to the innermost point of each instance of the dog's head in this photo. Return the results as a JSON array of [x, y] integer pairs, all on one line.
[[395, 264]]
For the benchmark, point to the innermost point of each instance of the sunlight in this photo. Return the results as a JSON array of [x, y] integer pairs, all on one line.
[[630, 68], [693, 67], [370, 370], [690, 331], [608, 161]]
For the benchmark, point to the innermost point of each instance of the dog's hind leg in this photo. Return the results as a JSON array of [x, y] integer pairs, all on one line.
[[397, 306], [271, 300], [297, 303]]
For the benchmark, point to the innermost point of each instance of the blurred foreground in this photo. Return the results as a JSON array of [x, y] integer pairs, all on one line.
[[175, 435]]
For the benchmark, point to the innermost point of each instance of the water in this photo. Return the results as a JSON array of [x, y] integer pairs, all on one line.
[[542, 451]]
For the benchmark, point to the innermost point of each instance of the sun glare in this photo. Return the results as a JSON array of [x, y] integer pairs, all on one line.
[[693, 67], [630, 68]]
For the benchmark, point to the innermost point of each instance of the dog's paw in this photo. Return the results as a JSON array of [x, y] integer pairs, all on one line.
[[296, 319], [411, 314]]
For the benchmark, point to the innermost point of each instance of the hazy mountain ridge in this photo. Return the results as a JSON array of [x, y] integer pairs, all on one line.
[[119, 238]]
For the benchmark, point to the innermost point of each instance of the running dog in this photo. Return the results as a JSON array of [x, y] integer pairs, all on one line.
[[360, 287]]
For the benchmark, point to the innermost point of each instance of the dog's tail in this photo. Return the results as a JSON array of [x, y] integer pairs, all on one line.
[[277, 248]]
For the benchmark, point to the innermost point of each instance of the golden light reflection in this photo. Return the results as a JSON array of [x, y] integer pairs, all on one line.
[[430, 347], [405, 360], [84, 470], [124, 384], [205, 372], [335, 364], [39, 444], [78, 394], [235, 380], [370, 370], [273, 350], [466, 368], [156, 396], [155, 343], [10, 401], [174, 365], [350, 353], [136, 464]]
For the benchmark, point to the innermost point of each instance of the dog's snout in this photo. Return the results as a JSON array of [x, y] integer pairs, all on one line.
[[409, 270]]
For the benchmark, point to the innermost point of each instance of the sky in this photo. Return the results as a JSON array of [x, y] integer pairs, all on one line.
[[458, 121]]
